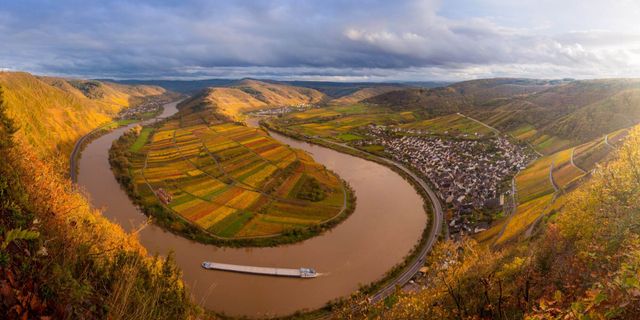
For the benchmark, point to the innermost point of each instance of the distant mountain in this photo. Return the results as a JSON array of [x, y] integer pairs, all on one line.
[[459, 96], [331, 89], [182, 86], [365, 93]]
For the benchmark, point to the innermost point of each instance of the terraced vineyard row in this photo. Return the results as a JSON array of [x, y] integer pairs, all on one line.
[[535, 191]]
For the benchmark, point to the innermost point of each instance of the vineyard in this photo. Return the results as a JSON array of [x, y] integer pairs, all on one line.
[[232, 181], [536, 194]]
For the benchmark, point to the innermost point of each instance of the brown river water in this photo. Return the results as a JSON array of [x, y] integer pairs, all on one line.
[[386, 224]]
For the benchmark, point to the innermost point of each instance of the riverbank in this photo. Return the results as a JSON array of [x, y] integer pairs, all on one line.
[[387, 223], [88, 138], [410, 266], [121, 158], [108, 127]]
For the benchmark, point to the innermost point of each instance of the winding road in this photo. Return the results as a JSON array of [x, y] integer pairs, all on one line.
[[436, 227], [573, 152]]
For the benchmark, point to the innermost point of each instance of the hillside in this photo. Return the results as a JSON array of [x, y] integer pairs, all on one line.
[[551, 115], [582, 263], [248, 95], [363, 94], [52, 113], [111, 96], [60, 258], [459, 96]]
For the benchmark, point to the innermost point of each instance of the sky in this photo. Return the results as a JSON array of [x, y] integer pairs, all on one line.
[[336, 40]]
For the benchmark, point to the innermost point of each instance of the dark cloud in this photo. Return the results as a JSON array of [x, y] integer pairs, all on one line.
[[369, 39]]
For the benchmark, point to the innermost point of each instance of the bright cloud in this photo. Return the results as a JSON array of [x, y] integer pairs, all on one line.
[[369, 40]]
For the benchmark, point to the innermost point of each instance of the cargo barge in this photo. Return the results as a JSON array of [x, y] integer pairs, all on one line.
[[280, 272]]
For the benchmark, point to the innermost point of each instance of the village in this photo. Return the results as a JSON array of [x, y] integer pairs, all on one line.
[[281, 111], [146, 109], [468, 174]]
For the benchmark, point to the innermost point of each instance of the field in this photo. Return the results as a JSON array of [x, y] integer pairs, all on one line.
[[533, 182], [538, 186], [526, 214], [536, 195], [564, 173], [346, 123], [231, 180], [142, 139], [535, 191], [616, 137], [453, 124], [341, 123]]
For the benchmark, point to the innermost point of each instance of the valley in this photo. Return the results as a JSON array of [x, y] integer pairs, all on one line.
[[389, 219], [519, 184], [317, 160], [227, 174]]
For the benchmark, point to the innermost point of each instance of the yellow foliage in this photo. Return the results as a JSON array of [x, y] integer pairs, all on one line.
[[52, 114]]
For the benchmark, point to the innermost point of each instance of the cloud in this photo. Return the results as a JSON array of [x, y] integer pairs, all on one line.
[[367, 40]]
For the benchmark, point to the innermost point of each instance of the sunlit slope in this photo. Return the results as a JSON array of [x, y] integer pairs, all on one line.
[[49, 119], [111, 97], [540, 188], [52, 114], [60, 256], [250, 95]]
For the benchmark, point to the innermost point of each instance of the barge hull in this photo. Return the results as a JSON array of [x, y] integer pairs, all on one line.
[[281, 272]]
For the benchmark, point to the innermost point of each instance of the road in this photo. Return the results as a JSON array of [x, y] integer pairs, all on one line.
[[551, 179], [573, 151], [436, 228], [606, 141]]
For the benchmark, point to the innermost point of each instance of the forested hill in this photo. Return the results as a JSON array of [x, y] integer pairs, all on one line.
[[52, 113], [59, 258], [549, 114]]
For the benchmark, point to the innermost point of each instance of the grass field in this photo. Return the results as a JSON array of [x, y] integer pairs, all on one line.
[[231, 180], [142, 139], [587, 155], [486, 237], [617, 136]]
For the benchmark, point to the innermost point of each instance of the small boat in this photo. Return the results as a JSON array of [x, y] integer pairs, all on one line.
[[281, 272]]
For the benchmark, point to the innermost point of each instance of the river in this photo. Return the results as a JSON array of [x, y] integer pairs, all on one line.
[[386, 224]]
